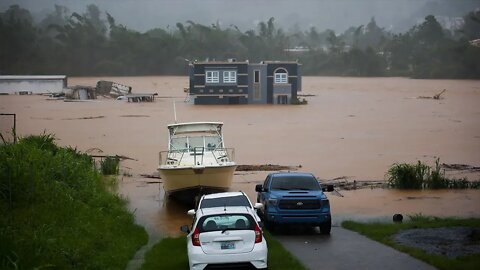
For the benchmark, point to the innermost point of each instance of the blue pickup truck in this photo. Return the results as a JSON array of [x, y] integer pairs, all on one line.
[[297, 198]]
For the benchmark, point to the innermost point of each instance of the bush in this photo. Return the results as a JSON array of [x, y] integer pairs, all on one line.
[[436, 179], [110, 165], [57, 212], [418, 176], [407, 176]]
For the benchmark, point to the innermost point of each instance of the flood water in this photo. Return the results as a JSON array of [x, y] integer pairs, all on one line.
[[351, 127]]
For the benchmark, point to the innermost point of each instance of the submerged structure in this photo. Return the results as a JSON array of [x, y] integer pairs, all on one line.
[[232, 82]]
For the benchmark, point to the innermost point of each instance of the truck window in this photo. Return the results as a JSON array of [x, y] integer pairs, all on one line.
[[267, 183], [298, 182]]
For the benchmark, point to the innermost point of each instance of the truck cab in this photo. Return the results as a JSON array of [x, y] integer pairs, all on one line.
[[294, 198]]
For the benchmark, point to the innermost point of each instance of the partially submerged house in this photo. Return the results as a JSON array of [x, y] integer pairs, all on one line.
[[13, 84], [232, 82], [80, 92]]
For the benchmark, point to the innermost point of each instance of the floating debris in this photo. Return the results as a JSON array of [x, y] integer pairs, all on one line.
[[460, 167], [267, 167], [113, 89]]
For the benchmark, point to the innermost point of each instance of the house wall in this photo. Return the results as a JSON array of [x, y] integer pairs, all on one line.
[[293, 79], [13, 84], [219, 93]]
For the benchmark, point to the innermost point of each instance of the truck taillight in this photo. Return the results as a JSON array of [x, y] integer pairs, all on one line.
[[196, 237], [258, 234]]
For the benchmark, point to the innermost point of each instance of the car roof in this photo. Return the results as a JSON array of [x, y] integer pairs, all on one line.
[[223, 194], [291, 174], [224, 210]]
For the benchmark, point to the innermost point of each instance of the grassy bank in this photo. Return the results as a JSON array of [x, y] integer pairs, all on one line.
[[57, 212], [383, 232], [171, 253]]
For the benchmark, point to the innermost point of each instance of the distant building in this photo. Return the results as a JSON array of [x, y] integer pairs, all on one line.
[[13, 84], [232, 82]]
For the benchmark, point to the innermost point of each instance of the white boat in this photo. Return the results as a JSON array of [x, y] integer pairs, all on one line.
[[197, 161]]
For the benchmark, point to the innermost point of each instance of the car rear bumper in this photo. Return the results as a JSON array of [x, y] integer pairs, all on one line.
[[198, 260]]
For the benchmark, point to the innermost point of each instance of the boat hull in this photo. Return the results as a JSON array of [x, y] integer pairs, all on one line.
[[181, 180]]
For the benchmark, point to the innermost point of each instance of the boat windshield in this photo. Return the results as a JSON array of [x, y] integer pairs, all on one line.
[[190, 142]]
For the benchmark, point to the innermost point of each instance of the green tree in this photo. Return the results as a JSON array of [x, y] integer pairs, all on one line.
[[471, 25], [18, 41]]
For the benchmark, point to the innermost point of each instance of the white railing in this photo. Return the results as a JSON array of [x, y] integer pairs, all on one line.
[[197, 156]]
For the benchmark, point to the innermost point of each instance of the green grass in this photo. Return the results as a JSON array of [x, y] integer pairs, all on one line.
[[57, 211], [383, 232], [171, 253]]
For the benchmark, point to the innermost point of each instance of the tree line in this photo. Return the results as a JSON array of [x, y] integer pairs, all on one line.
[[87, 45]]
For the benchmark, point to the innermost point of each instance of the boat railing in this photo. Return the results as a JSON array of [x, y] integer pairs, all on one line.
[[196, 156], [223, 155]]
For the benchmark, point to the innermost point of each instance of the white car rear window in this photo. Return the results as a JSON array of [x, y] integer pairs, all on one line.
[[226, 222]]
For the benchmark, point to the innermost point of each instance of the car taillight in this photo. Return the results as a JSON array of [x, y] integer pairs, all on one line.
[[258, 234], [196, 237]]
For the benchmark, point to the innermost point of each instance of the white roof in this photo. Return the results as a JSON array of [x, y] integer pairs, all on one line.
[[223, 194], [191, 127], [33, 77]]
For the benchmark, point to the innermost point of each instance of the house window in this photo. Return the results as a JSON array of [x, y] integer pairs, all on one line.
[[281, 76], [256, 76], [212, 77], [230, 77]]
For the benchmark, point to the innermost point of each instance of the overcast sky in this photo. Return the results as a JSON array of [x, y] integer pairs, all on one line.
[[142, 15]]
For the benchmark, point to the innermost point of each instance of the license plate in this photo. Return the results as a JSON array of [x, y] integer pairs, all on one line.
[[227, 245]]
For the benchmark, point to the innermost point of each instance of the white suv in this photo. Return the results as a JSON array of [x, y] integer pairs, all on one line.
[[222, 199], [226, 237]]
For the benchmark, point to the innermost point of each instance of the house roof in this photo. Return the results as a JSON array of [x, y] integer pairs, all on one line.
[[33, 77], [219, 62], [241, 62]]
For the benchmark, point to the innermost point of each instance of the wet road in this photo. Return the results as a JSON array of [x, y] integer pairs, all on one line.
[[344, 249]]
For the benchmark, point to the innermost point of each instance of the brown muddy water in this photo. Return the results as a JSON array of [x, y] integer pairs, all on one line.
[[352, 127]]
